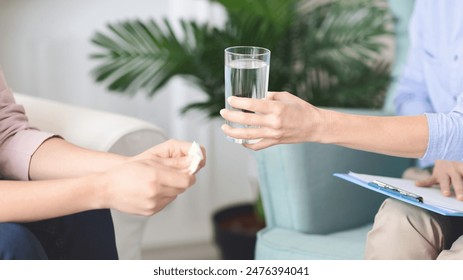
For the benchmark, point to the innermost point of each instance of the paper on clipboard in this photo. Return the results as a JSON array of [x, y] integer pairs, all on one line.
[[432, 197]]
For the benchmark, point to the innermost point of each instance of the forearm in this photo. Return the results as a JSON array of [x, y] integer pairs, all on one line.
[[396, 136], [56, 158], [284, 118], [31, 201]]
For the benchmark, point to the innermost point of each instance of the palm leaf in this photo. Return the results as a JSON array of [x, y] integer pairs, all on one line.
[[323, 51]]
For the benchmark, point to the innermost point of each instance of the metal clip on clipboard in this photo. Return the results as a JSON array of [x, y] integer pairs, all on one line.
[[400, 192]]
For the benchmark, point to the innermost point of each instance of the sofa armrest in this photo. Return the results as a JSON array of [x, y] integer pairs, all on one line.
[[101, 131], [93, 129]]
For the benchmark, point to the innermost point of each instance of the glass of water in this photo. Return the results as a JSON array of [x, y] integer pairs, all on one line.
[[246, 75]]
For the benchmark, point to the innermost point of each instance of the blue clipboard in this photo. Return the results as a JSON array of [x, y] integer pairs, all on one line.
[[445, 206]]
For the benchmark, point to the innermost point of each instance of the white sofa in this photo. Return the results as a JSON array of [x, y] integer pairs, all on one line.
[[101, 131]]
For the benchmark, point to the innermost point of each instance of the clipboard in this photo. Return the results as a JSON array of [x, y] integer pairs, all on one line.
[[405, 190]]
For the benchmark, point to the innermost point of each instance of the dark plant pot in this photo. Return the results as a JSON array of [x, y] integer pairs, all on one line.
[[235, 230]]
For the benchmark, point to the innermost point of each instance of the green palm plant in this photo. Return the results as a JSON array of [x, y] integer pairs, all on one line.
[[326, 52]]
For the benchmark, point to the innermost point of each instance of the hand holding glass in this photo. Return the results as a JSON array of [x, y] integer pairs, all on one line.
[[246, 75]]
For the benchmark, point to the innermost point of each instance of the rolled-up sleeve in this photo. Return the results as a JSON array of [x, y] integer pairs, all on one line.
[[18, 141], [446, 134]]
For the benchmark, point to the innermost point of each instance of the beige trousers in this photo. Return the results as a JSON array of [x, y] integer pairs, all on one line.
[[403, 231]]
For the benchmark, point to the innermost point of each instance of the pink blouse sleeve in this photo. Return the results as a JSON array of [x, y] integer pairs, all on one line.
[[18, 141]]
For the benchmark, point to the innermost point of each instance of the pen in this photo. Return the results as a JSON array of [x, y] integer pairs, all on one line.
[[403, 193]]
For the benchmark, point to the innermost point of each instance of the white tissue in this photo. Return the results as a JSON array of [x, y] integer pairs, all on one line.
[[196, 157]]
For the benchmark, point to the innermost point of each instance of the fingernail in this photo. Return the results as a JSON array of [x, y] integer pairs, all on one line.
[[221, 112], [447, 193], [460, 197]]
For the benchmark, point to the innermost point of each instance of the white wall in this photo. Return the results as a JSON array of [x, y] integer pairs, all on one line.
[[44, 51]]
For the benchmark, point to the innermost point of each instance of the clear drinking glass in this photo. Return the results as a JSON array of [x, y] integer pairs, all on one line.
[[246, 75]]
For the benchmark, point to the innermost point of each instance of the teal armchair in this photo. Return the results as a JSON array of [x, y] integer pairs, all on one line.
[[310, 214]]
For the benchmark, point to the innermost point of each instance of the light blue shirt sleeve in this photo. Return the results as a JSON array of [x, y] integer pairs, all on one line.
[[446, 135]]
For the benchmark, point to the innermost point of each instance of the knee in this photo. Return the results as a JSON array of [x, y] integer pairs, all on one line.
[[17, 242], [399, 217], [395, 211], [403, 231]]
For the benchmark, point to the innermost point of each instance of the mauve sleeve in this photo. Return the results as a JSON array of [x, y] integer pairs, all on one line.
[[18, 141]]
